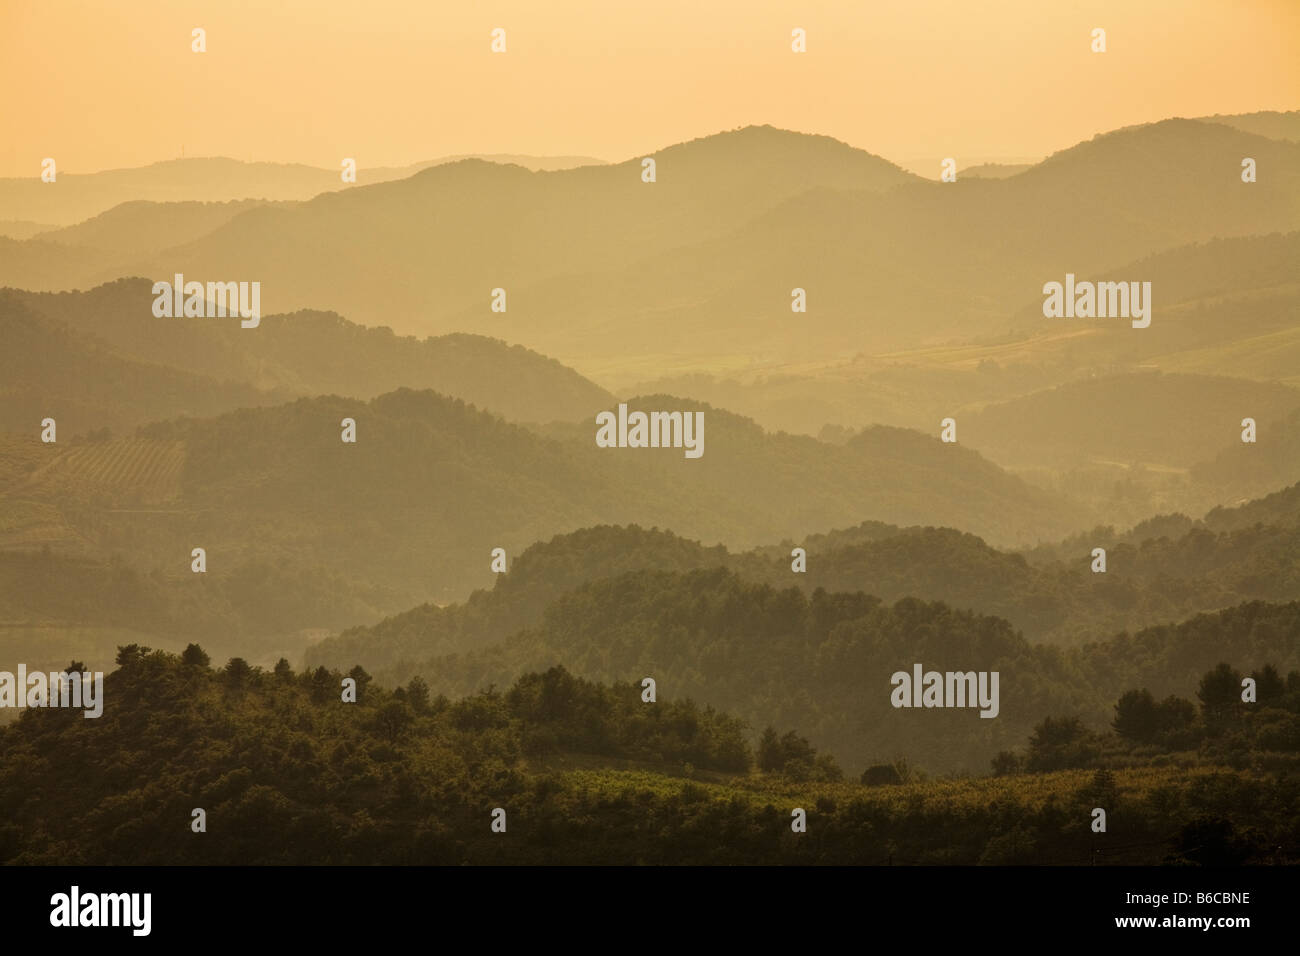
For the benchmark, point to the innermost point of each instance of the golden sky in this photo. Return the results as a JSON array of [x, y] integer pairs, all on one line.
[[107, 83]]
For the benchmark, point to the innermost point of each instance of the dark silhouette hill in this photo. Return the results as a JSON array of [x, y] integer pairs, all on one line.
[[586, 774], [823, 661], [1152, 578]]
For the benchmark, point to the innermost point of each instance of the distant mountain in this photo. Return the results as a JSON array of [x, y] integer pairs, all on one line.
[[1243, 470], [432, 486], [1199, 272], [1226, 307], [1281, 508], [993, 170], [1268, 123], [1151, 418], [73, 196], [22, 228], [449, 235], [311, 353], [141, 226], [916, 265], [539, 163], [610, 273], [50, 370]]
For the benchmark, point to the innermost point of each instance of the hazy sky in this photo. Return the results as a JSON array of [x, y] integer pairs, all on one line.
[[106, 83]]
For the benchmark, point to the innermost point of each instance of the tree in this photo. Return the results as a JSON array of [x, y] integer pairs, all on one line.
[[391, 720], [282, 670], [358, 674], [880, 775], [195, 656], [238, 672], [1220, 693], [1175, 715], [417, 693], [1269, 686], [797, 749], [1136, 717], [324, 684], [128, 655], [1005, 764], [771, 758], [1060, 743]]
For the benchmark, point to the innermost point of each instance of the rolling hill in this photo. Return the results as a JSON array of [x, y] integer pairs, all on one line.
[[50, 370], [74, 197], [316, 353]]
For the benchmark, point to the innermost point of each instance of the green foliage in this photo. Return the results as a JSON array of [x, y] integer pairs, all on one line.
[[1220, 693], [820, 662], [794, 757], [1060, 743], [289, 774]]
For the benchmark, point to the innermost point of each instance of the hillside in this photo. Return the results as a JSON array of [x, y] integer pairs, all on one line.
[[1156, 574], [780, 656], [1243, 471], [584, 774], [50, 370], [414, 509], [1270, 123], [311, 353], [1225, 307], [139, 226], [606, 272], [80, 196], [471, 482], [1152, 418]]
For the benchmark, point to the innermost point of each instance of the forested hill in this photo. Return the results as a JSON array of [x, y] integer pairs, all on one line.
[[308, 353], [1159, 579], [824, 661], [432, 485], [191, 764]]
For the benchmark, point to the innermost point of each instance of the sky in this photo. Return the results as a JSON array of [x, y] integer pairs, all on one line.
[[100, 84]]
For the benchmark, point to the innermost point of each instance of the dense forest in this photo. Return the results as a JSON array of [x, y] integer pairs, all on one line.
[[286, 771], [821, 661], [1167, 569]]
